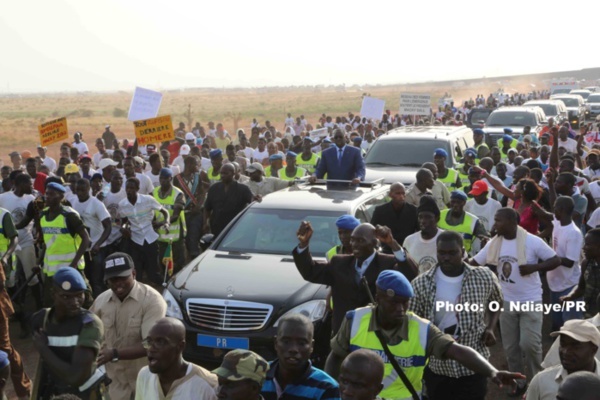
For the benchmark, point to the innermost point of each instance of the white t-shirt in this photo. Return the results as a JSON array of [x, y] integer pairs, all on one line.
[[567, 242], [594, 220], [248, 151], [447, 290], [197, 383], [570, 145], [424, 252], [146, 184], [81, 147], [595, 191], [289, 121], [111, 202], [96, 158], [179, 162], [17, 206], [514, 286], [258, 156], [50, 163], [92, 212], [485, 212]]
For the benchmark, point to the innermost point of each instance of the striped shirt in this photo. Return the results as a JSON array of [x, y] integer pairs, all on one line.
[[314, 384]]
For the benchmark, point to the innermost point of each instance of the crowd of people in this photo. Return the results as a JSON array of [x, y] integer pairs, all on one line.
[[88, 241]]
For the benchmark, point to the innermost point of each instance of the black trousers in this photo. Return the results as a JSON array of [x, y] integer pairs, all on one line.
[[145, 259], [441, 387]]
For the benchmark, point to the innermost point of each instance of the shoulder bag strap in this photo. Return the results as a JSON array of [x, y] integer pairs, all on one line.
[[396, 366]]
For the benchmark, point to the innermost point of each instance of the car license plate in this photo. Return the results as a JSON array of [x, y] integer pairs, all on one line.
[[221, 342]]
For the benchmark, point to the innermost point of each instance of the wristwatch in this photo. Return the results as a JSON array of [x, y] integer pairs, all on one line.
[[115, 356]]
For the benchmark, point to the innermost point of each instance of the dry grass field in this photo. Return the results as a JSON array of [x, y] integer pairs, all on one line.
[[89, 112]]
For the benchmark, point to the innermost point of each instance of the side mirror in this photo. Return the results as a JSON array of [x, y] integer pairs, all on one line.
[[207, 239]]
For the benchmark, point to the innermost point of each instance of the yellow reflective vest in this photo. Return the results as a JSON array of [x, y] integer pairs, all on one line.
[[410, 354], [213, 179], [309, 165], [450, 180], [466, 229], [61, 246], [4, 241], [175, 228]]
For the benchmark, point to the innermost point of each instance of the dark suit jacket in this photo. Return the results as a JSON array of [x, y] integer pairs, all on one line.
[[340, 274], [352, 164], [402, 223]]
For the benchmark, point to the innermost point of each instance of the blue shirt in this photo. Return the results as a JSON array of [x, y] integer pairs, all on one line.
[[314, 384]]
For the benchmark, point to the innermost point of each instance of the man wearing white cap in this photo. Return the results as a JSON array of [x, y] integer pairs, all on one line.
[[184, 152], [579, 341], [106, 168]]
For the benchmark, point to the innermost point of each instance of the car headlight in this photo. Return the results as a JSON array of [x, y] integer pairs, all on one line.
[[173, 309], [314, 310]]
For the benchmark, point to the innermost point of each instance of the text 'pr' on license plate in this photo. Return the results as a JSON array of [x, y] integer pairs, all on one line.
[[221, 342]]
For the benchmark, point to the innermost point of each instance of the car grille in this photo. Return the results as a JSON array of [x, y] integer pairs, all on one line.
[[228, 315]]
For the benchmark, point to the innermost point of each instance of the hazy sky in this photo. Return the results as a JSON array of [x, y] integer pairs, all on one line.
[[76, 45]]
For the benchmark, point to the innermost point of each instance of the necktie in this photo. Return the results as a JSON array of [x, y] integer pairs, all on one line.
[[340, 153]]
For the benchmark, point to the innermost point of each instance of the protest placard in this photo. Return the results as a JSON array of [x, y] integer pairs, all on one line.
[[372, 108], [154, 130], [415, 104], [53, 131], [144, 104], [317, 133]]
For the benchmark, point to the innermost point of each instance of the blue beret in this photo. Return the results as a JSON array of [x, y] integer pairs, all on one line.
[[56, 186], [508, 131], [275, 157], [458, 194], [97, 175], [357, 140], [471, 152], [440, 153], [394, 283], [165, 173], [309, 139], [326, 140], [478, 131], [347, 222], [3, 360], [291, 154], [216, 153], [69, 279], [507, 138]]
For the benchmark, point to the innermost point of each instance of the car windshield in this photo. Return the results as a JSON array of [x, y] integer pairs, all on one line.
[[549, 109], [570, 102], [594, 98], [557, 91], [270, 231], [511, 118], [585, 95], [404, 153], [477, 115]]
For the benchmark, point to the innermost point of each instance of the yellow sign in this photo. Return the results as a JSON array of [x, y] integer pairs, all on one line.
[[53, 131], [154, 130]]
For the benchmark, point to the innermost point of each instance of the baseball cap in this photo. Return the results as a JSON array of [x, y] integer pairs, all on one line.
[[239, 365], [479, 187], [255, 167], [105, 162], [580, 330], [71, 168], [470, 152], [184, 150], [14, 154], [84, 156], [69, 279], [117, 265], [458, 194], [190, 136], [151, 148]]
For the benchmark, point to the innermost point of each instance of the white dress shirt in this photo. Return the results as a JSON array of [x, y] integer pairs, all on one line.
[[140, 216]]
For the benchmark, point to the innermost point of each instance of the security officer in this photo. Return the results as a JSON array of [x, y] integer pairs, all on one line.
[[214, 171], [463, 169], [410, 339], [448, 176], [68, 339], [64, 234], [458, 220], [172, 199], [291, 171], [275, 165], [506, 143], [307, 159], [345, 225], [481, 148]]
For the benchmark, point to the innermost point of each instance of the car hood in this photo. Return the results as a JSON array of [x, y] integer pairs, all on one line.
[[405, 175], [264, 278], [571, 109]]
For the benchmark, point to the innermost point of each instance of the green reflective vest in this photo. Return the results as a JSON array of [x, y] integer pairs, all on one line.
[[300, 172], [467, 228], [309, 165], [410, 354], [450, 180], [174, 228], [61, 246], [213, 178], [464, 178], [500, 144], [4, 241]]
